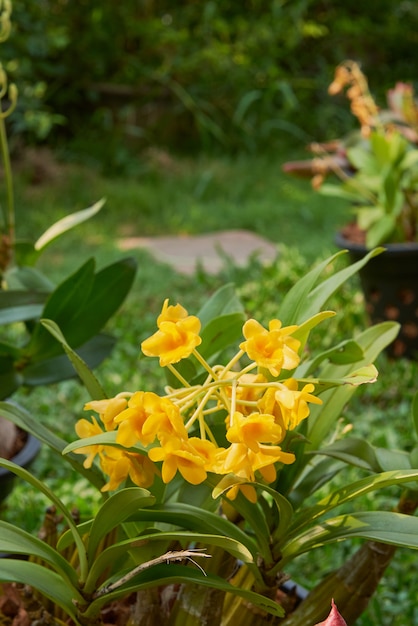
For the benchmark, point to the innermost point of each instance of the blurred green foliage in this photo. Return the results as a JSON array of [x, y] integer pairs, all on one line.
[[197, 73]]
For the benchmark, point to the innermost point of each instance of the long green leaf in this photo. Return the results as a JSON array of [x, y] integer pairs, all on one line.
[[113, 512], [223, 302], [220, 333], [50, 584], [14, 540], [25, 420], [62, 306], [90, 381], [139, 544], [353, 450], [19, 306], [316, 474], [293, 307], [67, 223], [186, 516], [348, 494], [179, 574], [252, 513], [414, 413], [42, 488], [322, 418], [109, 289], [392, 528], [328, 287], [59, 368]]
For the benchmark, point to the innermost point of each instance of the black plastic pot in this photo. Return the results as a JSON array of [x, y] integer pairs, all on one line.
[[390, 285], [24, 458]]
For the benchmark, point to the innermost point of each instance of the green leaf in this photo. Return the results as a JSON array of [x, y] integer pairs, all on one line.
[[107, 438], [113, 512], [362, 159], [349, 493], [354, 451], [344, 353], [81, 305], [380, 231], [67, 223], [322, 419], [302, 333], [28, 279], [392, 459], [50, 584], [196, 519], [221, 333], [178, 574], [414, 413], [322, 292], [110, 287], [86, 375], [25, 420], [316, 475], [392, 528], [14, 540], [58, 368], [138, 544], [19, 306], [293, 306], [62, 307], [42, 488], [223, 302], [338, 191]]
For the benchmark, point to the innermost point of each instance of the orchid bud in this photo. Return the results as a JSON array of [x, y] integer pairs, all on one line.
[[334, 618]]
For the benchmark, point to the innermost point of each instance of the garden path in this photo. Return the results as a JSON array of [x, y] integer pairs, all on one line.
[[186, 252]]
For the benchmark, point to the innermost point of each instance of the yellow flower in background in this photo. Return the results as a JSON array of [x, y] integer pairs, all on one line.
[[255, 429], [84, 429], [107, 409], [293, 404], [273, 349], [176, 338]]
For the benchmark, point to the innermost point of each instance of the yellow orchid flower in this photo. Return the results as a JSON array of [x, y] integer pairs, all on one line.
[[192, 458], [272, 349], [255, 429], [176, 338]]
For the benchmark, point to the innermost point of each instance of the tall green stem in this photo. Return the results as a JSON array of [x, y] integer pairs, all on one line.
[[9, 213]]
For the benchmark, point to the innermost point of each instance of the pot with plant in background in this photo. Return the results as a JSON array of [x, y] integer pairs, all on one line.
[[377, 173], [18, 446]]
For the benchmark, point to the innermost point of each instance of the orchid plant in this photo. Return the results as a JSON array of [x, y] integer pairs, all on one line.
[[376, 168], [214, 485]]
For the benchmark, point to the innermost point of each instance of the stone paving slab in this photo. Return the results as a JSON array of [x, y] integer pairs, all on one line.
[[185, 252]]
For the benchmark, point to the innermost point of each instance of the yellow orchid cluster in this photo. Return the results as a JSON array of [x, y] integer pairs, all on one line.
[[176, 429]]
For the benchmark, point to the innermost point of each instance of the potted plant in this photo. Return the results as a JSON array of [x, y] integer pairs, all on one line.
[[376, 171], [213, 485]]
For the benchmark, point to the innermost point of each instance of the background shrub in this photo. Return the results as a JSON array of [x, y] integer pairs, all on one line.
[[239, 74]]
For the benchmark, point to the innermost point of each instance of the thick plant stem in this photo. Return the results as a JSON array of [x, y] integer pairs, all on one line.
[[147, 609], [199, 606], [354, 583]]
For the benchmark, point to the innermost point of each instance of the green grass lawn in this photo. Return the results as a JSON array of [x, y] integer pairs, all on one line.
[[164, 194], [167, 194]]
